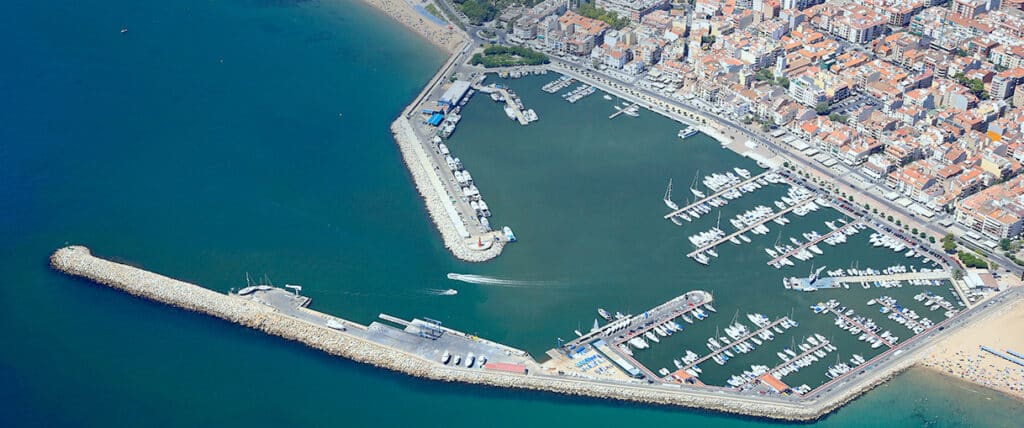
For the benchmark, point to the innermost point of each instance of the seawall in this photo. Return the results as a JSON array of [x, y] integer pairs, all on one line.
[[78, 261], [437, 200]]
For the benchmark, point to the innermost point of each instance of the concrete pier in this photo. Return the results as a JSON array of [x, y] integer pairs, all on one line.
[[727, 346], [860, 326], [440, 204], [715, 195], [808, 244], [405, 352], [750, 227]]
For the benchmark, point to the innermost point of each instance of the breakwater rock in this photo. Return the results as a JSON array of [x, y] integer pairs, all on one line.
[[78, 261], [425, 176]]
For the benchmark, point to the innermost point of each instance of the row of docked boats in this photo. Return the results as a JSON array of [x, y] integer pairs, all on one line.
[[808, 352], [893, 243], [465, 183], [935, 302], [514, 104], [578, 93], [739, 339], [841, 368], [654, 332], [716, 182], [863, 327], [804, 252], [904, 316], [456, 360], [558, 84]]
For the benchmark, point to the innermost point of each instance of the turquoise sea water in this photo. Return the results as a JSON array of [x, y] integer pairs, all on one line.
[[206, 142]]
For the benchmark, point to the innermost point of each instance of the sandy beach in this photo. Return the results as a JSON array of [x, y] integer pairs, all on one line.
[[402, 11], [960, 355]]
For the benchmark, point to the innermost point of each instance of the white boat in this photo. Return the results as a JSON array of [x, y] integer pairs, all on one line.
[[446, 357], [668, 197], [336, 325], [687, 132]]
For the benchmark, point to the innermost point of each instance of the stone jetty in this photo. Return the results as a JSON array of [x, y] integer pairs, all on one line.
[[79, 261], [425, 173]]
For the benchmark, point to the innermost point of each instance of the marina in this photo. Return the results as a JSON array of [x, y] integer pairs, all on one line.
[[715, 195], [368, 235], [865, 327], [746, 228], [578, 93], [720, 350], [827, 237]]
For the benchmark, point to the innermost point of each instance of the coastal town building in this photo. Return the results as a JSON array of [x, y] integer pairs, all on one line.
[[633, 9], [996, 212]]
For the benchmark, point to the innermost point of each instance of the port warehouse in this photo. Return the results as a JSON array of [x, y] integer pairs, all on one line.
[[451, 98]]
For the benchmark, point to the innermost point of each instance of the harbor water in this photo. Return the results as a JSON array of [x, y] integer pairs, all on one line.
[[211, 140]]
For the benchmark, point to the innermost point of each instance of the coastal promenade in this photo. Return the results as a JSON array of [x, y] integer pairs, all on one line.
[[355, 344]]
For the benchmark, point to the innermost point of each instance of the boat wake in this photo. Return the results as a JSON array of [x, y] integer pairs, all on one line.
[[440, 292], [487, 280]]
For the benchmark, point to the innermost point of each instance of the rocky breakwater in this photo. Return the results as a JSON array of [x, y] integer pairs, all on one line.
[[79, 261], [425, 175]]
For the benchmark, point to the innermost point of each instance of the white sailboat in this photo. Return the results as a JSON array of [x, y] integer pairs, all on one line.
[[668, 197]]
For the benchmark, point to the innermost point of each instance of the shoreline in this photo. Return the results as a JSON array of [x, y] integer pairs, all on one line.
[[959, 356], [78, 261], [402, 12]]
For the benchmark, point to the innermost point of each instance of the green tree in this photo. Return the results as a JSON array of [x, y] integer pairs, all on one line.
[[1004, 244], [821, 108], [949, 243], [889, 218], [914, 231], [836, 117], [608, 17], [478, 10], [931, 239], [972, 260]]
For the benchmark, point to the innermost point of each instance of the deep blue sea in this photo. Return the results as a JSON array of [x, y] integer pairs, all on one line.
[[216, 138]]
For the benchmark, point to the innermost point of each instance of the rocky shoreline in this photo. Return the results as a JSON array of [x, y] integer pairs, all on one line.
[[78, 261], [416, 161]]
